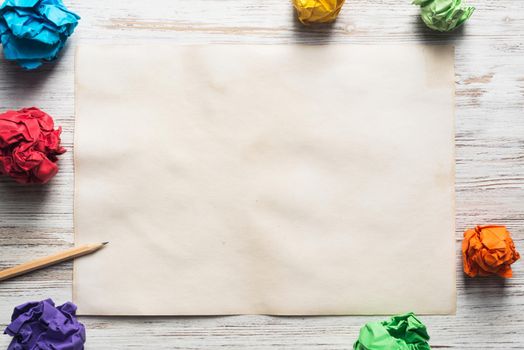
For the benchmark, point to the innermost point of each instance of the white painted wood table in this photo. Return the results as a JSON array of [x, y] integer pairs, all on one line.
[[37, 221]]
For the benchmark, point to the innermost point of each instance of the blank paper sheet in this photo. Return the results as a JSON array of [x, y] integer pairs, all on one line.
[[271, 179]]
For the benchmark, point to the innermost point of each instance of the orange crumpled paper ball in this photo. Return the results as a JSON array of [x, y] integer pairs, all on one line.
[[488, 250]]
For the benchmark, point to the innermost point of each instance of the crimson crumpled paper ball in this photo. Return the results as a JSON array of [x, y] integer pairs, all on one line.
[[29, 146]]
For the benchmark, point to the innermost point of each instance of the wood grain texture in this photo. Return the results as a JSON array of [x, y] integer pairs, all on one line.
[[37, 221]]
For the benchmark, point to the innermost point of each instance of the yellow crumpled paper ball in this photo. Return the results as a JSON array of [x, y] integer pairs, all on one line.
[[317, 11]]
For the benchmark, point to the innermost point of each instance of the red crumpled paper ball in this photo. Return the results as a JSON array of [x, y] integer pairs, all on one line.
[[29, 146]]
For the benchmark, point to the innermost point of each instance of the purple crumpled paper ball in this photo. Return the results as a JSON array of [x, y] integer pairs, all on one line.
[[42, 326]]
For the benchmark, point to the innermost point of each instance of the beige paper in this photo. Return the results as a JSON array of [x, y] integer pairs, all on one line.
[[283, 179]]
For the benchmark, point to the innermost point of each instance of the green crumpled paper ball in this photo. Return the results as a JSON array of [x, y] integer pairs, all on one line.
[[444, 15], [401, 332]]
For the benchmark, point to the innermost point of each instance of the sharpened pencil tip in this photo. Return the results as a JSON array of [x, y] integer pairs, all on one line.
[[104, 243]]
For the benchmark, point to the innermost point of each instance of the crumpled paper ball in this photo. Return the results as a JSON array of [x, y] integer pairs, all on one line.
[[40, 325], [35, 31], [401, 332], [444, 15], [317, 11], [488, 250], [29, 146]]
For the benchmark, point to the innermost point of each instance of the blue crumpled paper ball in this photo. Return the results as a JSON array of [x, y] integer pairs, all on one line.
[[44, 326], [34, 31]]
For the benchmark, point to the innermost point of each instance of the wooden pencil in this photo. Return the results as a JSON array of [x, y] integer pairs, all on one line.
[[36, 264]]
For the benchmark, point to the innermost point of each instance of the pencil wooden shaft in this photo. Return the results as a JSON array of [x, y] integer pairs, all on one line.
[[49, 260]]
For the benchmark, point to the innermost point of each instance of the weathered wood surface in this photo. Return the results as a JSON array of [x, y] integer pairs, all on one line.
[[36, 221]]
